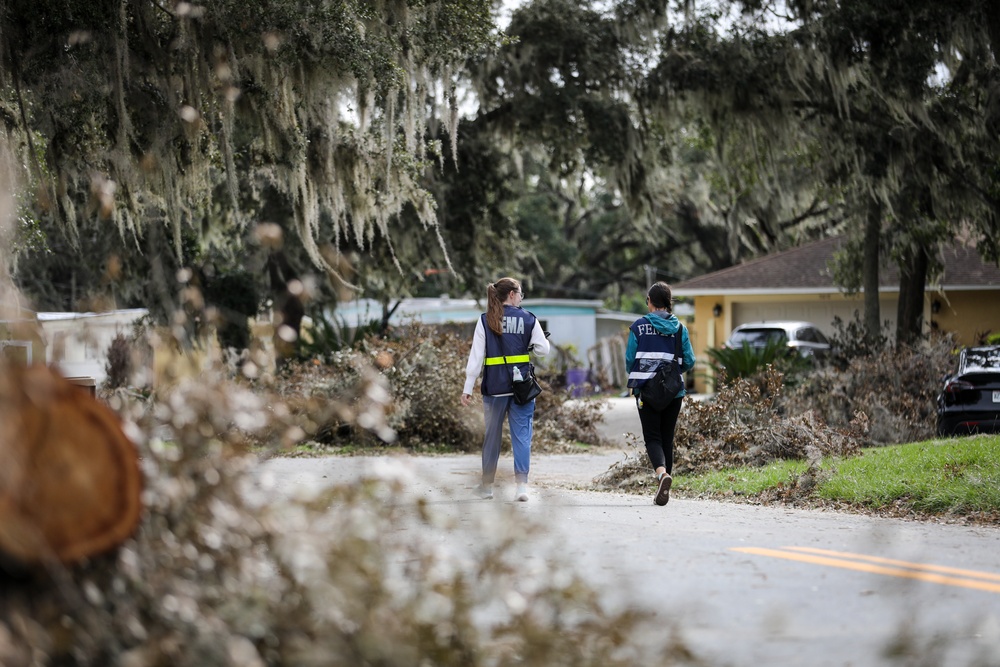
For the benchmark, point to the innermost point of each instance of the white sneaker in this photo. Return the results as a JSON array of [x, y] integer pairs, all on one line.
[[485, 491], [522, 493]]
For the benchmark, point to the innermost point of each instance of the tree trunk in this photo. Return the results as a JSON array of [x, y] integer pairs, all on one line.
[[912, 278], [288, 308], [873, 232], [70, 482]]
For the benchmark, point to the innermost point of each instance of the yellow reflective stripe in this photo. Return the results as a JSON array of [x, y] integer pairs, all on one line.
[[515, 359]]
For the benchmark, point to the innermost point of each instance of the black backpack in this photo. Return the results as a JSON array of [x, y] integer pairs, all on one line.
[[665, 384]]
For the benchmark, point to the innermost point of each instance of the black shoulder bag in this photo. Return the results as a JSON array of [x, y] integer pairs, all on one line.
[[666, 383], [527, 388]]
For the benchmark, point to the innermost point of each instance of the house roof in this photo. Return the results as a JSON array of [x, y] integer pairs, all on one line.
[[127, 314], [446, 309], [806, 269]]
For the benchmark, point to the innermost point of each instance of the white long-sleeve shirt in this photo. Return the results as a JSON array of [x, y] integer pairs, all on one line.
[[539, 346]]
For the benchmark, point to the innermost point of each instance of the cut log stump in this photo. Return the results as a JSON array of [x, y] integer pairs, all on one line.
[[70, 481]]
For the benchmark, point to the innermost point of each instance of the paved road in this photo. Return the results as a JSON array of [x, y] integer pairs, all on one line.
[[745, 585]]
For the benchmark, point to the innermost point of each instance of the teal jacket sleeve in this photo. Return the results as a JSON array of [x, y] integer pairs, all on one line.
[[630, 349], [688, 351]]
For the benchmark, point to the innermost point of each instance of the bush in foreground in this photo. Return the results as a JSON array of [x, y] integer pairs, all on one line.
[[225, 572]]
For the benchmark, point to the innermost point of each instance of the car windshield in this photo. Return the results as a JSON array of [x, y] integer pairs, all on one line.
[[757, 337]]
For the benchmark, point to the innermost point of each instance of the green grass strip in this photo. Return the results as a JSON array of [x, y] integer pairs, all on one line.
[[955, 475], [742, 481], [959, 475]]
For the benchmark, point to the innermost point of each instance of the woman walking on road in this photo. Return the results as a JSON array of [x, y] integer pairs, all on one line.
[[504, 335], [655, 339]]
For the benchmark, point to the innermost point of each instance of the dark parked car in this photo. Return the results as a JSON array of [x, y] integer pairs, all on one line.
[[970, 399], [803, 337]]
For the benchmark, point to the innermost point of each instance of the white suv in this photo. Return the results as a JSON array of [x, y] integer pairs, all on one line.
[[803, 337]]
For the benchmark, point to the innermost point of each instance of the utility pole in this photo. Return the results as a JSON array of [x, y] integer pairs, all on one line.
[[652, 273]]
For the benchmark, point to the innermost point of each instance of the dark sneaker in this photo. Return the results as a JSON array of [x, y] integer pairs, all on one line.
[[663, 491]]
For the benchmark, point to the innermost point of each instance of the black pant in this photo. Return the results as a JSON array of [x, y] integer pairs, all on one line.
[[658, 428]]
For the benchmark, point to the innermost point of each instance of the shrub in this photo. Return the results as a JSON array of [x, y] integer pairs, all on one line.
[[895, 387], [423, 370], [748, 362], [118, 366], [741, 426], [851, 340], [324, 336], [425, 379], [129, 360], [562, 424]]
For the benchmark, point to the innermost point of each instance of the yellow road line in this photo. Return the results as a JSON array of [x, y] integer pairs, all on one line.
[[924, 567], [885, 566]]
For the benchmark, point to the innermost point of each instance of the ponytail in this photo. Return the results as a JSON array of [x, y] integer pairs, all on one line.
[[496, 294]]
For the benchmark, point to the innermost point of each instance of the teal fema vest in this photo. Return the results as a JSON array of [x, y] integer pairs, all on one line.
[[652, 349]]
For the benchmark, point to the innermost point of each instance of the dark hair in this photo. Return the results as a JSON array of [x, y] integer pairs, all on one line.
[[660, 296], [496, 294]]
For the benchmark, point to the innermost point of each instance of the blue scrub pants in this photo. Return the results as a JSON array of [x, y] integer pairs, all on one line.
[[519, 417]]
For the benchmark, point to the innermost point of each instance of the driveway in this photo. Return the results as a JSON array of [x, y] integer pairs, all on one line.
[[620, 418]]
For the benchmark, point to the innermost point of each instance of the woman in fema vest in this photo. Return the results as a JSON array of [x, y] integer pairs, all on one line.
[[655, 339], [505, 334]]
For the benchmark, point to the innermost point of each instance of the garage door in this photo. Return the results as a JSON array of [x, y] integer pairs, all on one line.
[[820, 313]]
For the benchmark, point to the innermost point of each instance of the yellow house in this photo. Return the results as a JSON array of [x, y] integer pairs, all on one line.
[[797, 284]]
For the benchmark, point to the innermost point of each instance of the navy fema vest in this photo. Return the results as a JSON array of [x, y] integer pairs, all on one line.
[[506, 351], [652, 349]]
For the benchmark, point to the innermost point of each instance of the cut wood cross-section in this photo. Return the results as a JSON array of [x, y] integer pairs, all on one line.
[[70, 481]]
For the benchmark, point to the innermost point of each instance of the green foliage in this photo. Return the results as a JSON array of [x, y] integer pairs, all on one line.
[[634, 302], [602, 139], [478, 241], [236, 124], [747, 361], [324, 337], [28, 234]]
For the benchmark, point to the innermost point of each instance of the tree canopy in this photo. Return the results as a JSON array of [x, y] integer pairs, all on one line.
[[203, 118], [594, 140]]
